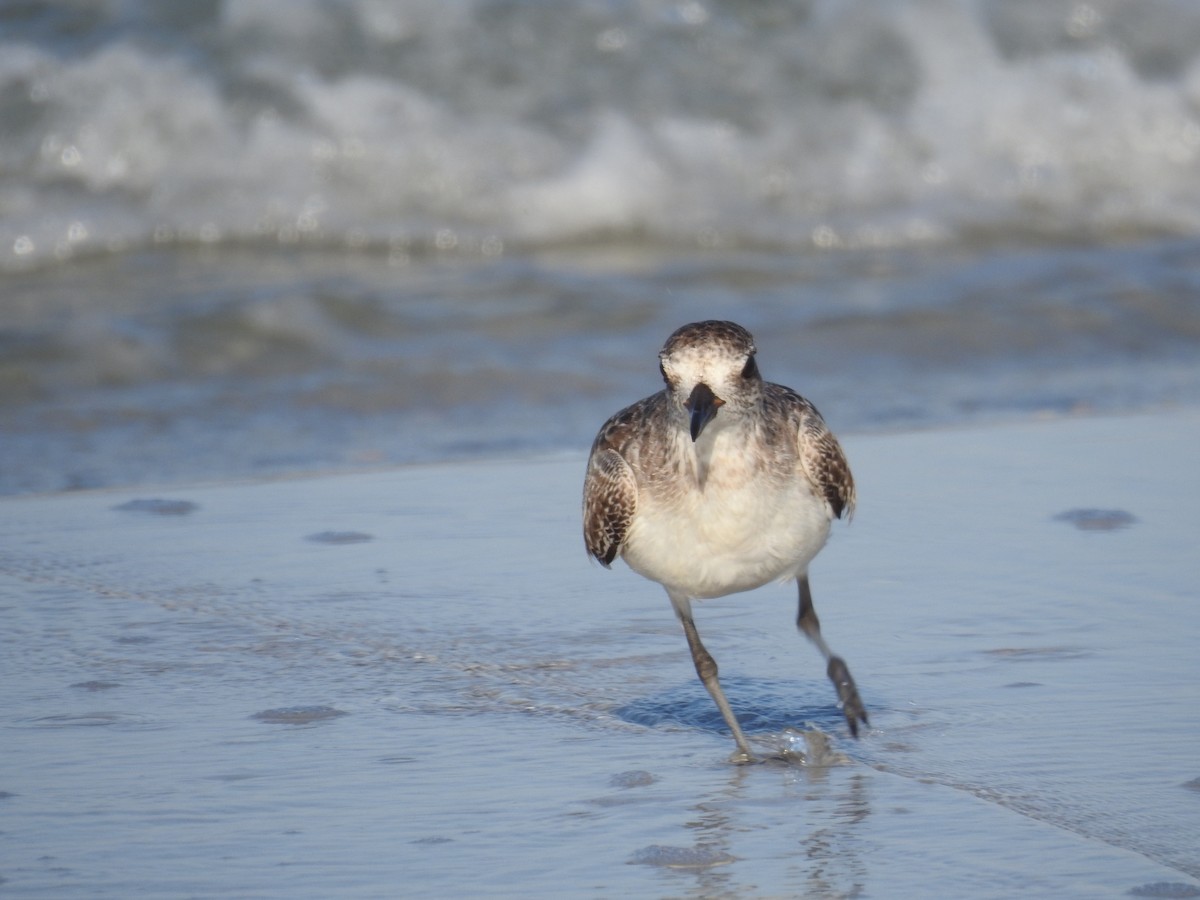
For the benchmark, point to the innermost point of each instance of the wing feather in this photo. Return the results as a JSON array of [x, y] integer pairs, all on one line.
[[821, 457], [609, 502], [825, 464]]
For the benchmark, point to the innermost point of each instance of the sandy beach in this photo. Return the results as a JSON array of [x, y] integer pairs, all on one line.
[[410, 682]]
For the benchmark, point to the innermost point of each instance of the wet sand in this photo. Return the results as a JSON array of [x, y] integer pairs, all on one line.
[[411, 683]]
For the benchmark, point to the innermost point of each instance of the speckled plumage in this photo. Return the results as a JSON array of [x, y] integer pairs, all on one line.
[[719, 483]]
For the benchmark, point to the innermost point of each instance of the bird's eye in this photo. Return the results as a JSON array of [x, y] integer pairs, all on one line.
[[751, 369]]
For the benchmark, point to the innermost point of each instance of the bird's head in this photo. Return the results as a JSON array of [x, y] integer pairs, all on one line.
[[709, 367]]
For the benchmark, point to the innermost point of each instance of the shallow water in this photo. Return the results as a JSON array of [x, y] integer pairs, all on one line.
[[175, 366], [412, 683]]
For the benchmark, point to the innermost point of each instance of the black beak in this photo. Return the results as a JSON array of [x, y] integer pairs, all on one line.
[[703, 405]]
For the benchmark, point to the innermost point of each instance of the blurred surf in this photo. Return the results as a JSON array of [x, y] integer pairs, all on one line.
[[482, 126]]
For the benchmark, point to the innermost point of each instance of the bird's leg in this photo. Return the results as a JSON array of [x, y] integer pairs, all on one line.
[[706, 668], [838, 671]]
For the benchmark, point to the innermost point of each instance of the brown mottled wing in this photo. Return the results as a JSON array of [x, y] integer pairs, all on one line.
[[827, 466], [823, 461], [609, 501]]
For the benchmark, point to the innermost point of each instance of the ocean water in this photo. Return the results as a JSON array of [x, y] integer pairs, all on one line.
[[261, 237], [166, 366]]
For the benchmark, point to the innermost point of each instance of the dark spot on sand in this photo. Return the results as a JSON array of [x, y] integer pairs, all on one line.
[[298, 715], [681, 857], [96, 685], [155, 506], [339, 537], [633, 779], [231, 778], [1020, 653], [92, 720], [1167, 890], [1097, 519]]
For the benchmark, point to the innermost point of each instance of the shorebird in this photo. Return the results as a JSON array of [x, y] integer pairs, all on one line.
[[720, 483]]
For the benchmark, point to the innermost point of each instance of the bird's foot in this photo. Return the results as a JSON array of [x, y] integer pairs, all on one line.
[[742, 758], [852, 705]]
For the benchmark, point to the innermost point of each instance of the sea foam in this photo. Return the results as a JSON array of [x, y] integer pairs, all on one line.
[[479, 126]]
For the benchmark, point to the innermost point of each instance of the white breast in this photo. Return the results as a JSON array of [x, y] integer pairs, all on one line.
[[730, 525]]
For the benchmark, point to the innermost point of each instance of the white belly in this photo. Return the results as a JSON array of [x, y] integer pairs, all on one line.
[[737, 532]]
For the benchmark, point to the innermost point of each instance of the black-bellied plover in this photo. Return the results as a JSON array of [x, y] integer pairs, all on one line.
[[717, 484]]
